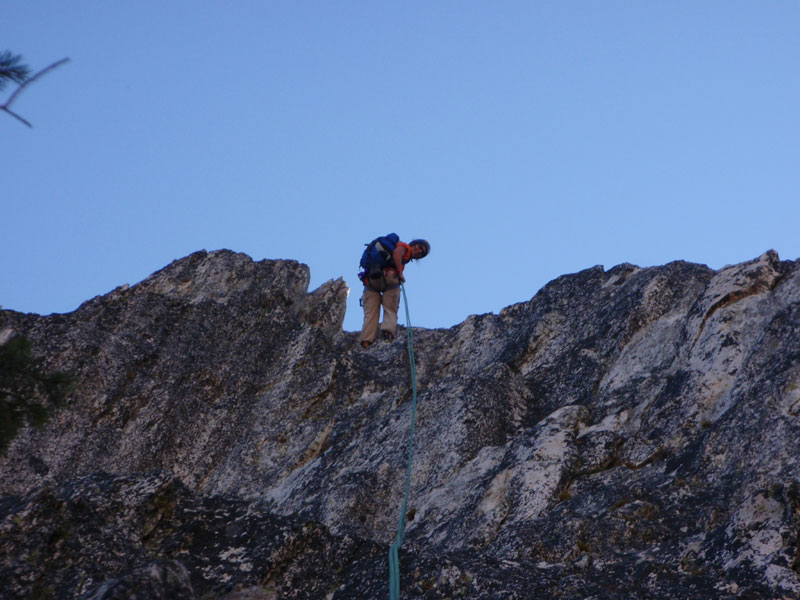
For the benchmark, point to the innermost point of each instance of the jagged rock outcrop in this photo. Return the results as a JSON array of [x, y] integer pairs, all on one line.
[[630, 433]]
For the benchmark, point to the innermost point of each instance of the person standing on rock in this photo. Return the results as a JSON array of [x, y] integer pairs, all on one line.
[[383, 263]]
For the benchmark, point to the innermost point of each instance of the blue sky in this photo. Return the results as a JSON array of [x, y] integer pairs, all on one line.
[[525, 140]]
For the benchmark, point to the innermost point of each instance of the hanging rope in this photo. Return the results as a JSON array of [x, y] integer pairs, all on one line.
[[394, 560]]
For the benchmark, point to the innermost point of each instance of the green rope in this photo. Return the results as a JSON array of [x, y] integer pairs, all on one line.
[[394, 559]]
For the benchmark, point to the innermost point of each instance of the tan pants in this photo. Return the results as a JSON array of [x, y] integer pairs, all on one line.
[[375, 296]]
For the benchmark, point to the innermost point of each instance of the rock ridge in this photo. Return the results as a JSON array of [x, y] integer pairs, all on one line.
[[626, 433]]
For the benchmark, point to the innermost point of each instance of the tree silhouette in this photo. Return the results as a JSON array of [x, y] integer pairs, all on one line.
[[12, 70]]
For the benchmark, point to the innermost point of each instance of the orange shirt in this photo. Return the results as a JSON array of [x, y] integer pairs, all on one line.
[[406, 251]]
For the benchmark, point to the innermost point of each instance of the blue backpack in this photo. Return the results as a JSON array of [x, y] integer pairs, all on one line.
[[378, 255]]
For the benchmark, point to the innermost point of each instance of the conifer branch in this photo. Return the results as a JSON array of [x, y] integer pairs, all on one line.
[[11, 68], [22, 85]]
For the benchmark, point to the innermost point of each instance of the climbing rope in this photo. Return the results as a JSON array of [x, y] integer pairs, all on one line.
[[394, 560]]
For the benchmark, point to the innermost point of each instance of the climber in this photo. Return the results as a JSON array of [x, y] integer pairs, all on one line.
[[383, 263]]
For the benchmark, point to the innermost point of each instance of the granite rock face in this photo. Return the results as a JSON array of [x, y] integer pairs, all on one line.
[[628, 433]]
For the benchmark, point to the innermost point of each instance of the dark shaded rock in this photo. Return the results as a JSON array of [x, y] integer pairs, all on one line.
[[159, 579]]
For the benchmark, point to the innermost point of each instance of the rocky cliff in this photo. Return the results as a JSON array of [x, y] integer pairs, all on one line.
[[628, 433]]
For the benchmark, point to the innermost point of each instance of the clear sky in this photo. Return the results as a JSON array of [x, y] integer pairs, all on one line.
[[524, 139]]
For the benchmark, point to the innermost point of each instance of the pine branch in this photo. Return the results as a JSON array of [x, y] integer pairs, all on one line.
[[12, 69], [26, 82]]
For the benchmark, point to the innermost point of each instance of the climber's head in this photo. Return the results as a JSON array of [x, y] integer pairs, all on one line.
[[419, 248]]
